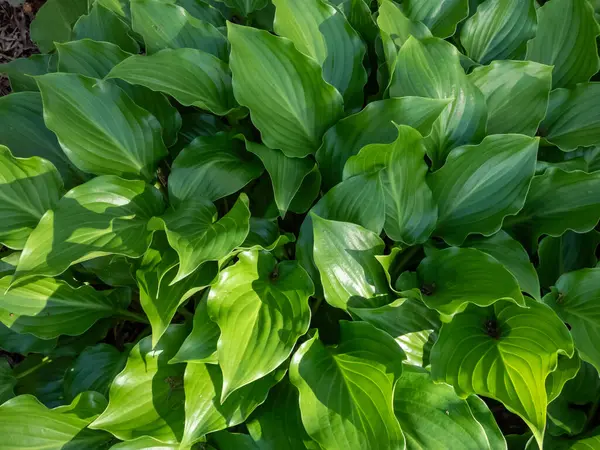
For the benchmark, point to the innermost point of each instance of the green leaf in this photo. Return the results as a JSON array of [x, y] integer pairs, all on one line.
[[245, 7], [511, 254], [499, 29], [146, 443], [482, 184], [201, 344], [566, 253], [586, 441], [107, 215], [421, 406], [94, 370], [202, 80], [495, 352], [13, 342], [206, 413], [166, 25], [440, 16], [264, 235], [99, 127], [261, 308], [226, 440], [54, 22], [26, 423], [308, 192], [146, 398], [431, 68], [114, 270], [28, 188], [287, 174], [196, 123], [573, 117], [454, 277], [486, 419], [573, 55], [7, 381], [410, 210], [288, 99], [20, 71], [345, 256], [212, 167], [196, 235], [277, 423], [101, 24], [321, 32], [346, 392], [373, 125], [23, 131], [414, 326], [516, 93], [566, 369], [43, 377], [49, 307], [575, 300]]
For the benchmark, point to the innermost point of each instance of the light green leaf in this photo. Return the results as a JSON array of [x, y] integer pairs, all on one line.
[[566, 369], [431, 68], [410, 210], [414, 326], [166, 25], [499, 30], [424, 409], [245, 7], [206, 413], [346, 392], [345, 257], [94, 370], [26, 424], [587, 441], [49, 307], [440, 16], [21, 71], [101, 24], [486, 419], [495, 352], [321, 32], [13, 342], [146, 443], [482, 184], [454, 277], [261, 308], [54, 22], [7, 381], [573, 117], [572, 53], [516, 93], [23, 131], [511, 254], [196, 235], [99, 127], [373, 125], [212, 167], [107, 215], [28, 188], [289, 101], [146, 398]]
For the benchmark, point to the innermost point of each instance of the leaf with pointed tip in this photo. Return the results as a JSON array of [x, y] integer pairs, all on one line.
[[511, 255], [146, 398], [431, 68], [101, 24], [373, 125], [516, 94], [21, 71], [440, 16], [320, 31], [497, 353], [105, 216], [201, 344], [196, 235], [566, 39], [308, 192], [359, 15], [167, 25], [566, 369], [454, 277], [499, 30], [410, 210], [7, 381], [346, 392], [261, 308], [26, 423], [54, 22], [99, 127], [288, 99], [205, 412], [28, 188], [482, 184], [264, 235], [212, 167]]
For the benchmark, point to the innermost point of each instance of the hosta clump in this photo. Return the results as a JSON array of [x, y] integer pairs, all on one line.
[[302, 224]]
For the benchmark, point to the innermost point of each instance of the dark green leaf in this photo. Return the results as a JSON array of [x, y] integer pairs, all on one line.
[[54, 22], [440, 16]]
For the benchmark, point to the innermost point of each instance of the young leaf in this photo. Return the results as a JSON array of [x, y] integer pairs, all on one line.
[[501, 341], [289, 101], [346, 391], [261, 308], [440, 16], [201, 344]]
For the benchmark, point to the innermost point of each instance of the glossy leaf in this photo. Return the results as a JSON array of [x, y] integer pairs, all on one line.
[[201, 344]]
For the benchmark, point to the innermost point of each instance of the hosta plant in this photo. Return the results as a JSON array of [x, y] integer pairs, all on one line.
[[302, 224]]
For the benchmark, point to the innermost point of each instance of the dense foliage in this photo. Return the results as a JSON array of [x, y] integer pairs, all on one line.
[[302, 224]]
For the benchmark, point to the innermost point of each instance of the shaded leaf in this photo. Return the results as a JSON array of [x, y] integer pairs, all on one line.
[[7, 381], [440, 16], [20, 71]]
